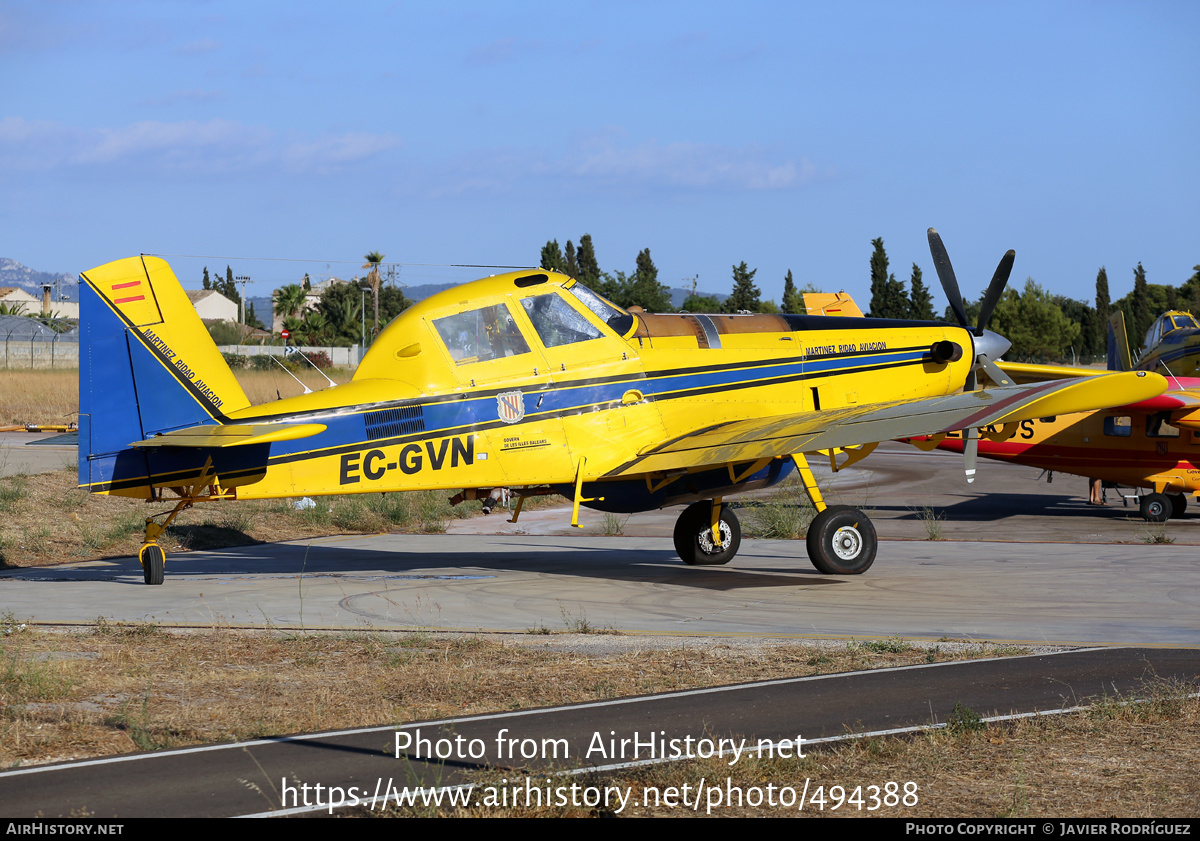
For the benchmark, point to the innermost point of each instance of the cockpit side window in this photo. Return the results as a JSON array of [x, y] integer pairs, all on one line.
[[480, 335], [557, 322]]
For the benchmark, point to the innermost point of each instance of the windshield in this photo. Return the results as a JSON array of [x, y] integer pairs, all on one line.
[[609, 313]]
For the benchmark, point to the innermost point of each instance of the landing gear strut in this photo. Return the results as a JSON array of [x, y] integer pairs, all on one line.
[[841, 539]]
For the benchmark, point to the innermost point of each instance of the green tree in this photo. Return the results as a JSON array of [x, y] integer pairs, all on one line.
[[644, 289], [1143, 316], [341, 305], [289, 301], [207, 280], [888, 298], [700, 304], [1034, 323], [745, 295], [1103, 311], [793, 301], [920, 301], [552, 257], [585, 257], [570, 266]]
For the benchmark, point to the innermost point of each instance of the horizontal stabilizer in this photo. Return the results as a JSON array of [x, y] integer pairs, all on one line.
[[232, 435]]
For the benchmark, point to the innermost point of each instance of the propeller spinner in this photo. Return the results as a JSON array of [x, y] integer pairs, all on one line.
[[989, 346]]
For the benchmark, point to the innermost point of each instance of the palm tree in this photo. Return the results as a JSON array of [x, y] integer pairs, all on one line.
[[290, 300], [374, 258]]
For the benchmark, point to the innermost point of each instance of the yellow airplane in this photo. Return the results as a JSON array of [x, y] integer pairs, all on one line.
[[1152, 444], [531, 381]]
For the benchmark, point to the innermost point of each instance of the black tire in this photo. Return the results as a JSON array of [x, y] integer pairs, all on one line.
[[1178, 505], [1156, 507], [693, 535], [154, 562], [842, 541]]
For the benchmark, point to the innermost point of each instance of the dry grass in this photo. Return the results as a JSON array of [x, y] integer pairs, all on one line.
[[45, 519], [52, 396], [39, 396]]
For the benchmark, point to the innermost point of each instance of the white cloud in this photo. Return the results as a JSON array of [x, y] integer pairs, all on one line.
[[213, 146], [603, 162]]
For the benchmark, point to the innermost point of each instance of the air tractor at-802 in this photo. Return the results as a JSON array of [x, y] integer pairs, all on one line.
[[531, 381]]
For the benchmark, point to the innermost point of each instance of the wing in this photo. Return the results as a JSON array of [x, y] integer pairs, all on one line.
[[1022, 372], [781, 435]]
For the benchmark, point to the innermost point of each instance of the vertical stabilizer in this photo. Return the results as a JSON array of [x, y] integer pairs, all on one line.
[[1118, 343], [147, 366]]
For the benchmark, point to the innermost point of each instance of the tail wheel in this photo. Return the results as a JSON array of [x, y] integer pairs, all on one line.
[[1156, 507], [1178, 505], [694, 535], [154, 562], [842, 541]]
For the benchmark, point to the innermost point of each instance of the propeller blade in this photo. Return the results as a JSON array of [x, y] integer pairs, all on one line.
[[970, 453], [995, 289], [993, 371], [945, 272]]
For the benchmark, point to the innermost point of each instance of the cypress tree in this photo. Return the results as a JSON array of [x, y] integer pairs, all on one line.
[[570, 267], [644, 289], [207, 281], [920, 301], [1140, 305], [793, 301], [585, 258], [552, 257], [745, 295], [879, 279]]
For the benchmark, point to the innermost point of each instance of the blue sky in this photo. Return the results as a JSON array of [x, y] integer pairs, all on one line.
[[784, 134]]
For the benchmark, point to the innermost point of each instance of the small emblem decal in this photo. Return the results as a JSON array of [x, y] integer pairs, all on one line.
[[510, 406]]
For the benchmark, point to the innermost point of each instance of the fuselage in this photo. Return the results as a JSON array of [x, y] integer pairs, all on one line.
[[511, 380]]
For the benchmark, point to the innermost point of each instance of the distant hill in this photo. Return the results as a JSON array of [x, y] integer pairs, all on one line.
[[13, 273]]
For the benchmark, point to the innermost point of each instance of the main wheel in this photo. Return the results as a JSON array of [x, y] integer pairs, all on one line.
[[154, 562], [1178, 505], [694, 538], [842, 541], [1156, 507]]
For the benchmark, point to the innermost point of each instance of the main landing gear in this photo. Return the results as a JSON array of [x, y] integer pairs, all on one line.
[[841, 539], [1160, 507], [707, 534]]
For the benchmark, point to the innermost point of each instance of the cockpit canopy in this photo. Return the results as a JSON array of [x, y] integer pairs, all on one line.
[[1168, 323]]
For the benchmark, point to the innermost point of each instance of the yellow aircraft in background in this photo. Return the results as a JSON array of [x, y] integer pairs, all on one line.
[[531, 381], [1152, 444]]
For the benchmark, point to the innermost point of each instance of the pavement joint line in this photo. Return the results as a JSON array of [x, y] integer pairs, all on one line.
[[614, 702]]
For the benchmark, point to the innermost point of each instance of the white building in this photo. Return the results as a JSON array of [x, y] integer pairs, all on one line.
[[213, 306]]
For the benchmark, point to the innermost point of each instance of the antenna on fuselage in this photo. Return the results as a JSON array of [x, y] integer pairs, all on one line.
[[295, 350], [307, 390]]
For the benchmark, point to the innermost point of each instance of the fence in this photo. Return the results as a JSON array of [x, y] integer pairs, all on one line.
[[341, 357], [25, 350]]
